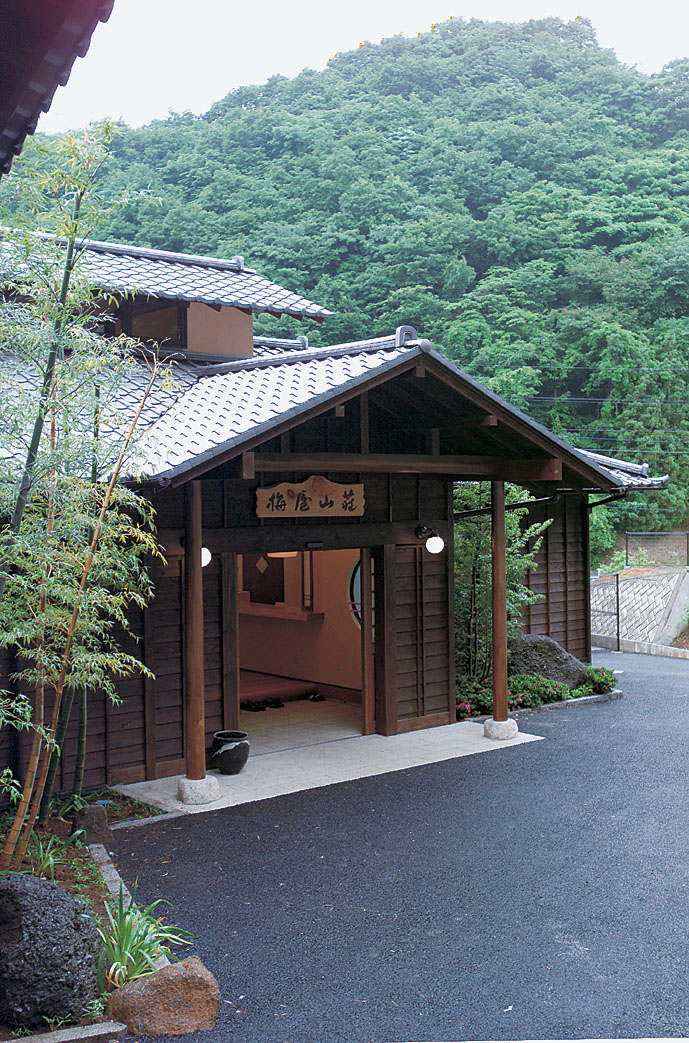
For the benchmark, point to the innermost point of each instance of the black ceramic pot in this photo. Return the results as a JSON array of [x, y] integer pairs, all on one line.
[[230, 752]]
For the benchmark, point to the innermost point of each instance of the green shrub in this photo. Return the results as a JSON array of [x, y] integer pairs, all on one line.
[[581, 691], [600, 679], [474, 696], [531, 690]]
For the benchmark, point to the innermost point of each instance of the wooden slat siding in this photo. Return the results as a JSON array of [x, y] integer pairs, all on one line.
[[10, 740], [423, 638], [432, 720], [149, 695], [584, 523], [213, 644], [230, 641], [368, 685], [166, 621], [562, 575], [450, 580], [385, 645]]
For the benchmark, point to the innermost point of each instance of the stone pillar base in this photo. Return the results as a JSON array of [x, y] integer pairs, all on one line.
[[198, 791], [500, 729]]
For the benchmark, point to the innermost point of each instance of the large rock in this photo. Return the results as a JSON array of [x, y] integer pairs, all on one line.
[[183, 997], [535, 654], [49, 947]]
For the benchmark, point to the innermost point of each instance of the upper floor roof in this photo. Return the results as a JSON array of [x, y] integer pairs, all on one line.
[[187, 277]]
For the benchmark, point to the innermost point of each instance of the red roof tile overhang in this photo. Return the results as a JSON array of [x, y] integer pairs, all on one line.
[[39, 42]]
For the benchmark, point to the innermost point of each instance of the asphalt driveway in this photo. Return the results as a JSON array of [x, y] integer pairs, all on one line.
[[540, 891]]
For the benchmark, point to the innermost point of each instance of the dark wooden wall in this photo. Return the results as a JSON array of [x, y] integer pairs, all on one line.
[[424, 669], [562, 576], [143, 736]]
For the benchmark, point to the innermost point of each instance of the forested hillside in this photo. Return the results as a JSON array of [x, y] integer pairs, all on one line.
[[511, 190]]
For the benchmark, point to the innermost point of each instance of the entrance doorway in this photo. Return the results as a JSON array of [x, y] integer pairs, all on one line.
[[305, 644]]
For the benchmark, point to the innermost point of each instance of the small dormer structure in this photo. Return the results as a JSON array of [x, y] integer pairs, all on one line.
[[199, 307]]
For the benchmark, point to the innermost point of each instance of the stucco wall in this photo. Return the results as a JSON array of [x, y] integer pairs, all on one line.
[[225, 332], [326, 650]]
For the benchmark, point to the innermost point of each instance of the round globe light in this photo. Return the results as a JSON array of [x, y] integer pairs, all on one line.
[[435, 544], [205, 557]]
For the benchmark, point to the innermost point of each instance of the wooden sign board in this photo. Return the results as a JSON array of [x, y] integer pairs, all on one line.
[[317, 497]]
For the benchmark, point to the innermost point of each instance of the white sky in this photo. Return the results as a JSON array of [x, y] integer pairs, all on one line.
[[156, 56]]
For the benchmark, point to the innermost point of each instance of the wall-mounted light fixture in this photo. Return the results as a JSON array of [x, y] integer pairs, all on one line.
[[282, 554], [434, 543], [206, 555]]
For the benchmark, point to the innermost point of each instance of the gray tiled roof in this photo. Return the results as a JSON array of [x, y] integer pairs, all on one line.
[[625, 474], [213, 411], [240, 399], [186, 277]]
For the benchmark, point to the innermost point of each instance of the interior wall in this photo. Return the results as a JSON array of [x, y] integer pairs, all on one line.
[[327, 650]]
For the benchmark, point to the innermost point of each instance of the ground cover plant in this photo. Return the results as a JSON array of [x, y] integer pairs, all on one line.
[[133, 940], [474, 696]]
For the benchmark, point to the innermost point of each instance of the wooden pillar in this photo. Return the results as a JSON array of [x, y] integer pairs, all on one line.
[[194, 711], [497, 490]]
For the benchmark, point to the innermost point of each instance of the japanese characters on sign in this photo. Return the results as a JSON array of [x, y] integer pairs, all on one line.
[[317, 497]]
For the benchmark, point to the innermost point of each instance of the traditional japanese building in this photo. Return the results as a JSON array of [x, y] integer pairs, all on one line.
[[304, 497]]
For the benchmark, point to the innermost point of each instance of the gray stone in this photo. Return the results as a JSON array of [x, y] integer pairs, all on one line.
[[536, 654], [198, 791], [181, 998], [48, 952], [93, 820], [500, 730]]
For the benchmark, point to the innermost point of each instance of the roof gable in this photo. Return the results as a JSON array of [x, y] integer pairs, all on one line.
[[235, 406]]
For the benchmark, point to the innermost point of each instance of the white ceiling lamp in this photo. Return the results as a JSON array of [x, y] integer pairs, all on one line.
[[205, 557], [435, 544]]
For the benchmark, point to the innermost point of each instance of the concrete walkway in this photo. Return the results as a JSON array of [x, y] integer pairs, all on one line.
[[329, 753]]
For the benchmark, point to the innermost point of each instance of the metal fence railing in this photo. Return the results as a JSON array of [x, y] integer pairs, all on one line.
[[605, 606], [656, 548]]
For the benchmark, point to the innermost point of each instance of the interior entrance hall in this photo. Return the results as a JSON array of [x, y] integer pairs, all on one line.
[[301, 648]]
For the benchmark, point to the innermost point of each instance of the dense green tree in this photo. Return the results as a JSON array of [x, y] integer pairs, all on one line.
[[514, 191]]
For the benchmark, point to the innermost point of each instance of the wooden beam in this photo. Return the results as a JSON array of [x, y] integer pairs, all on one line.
[[498, 467], [419, 371], [243, 467], [472, 423], [499, 595], [334, 535], [433, 441], [364, 423], [339, 411], [194, 686]]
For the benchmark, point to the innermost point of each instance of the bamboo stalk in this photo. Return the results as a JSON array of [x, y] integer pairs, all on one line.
[[8, 856], [43, 403], [78, 783], [64, 665]]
